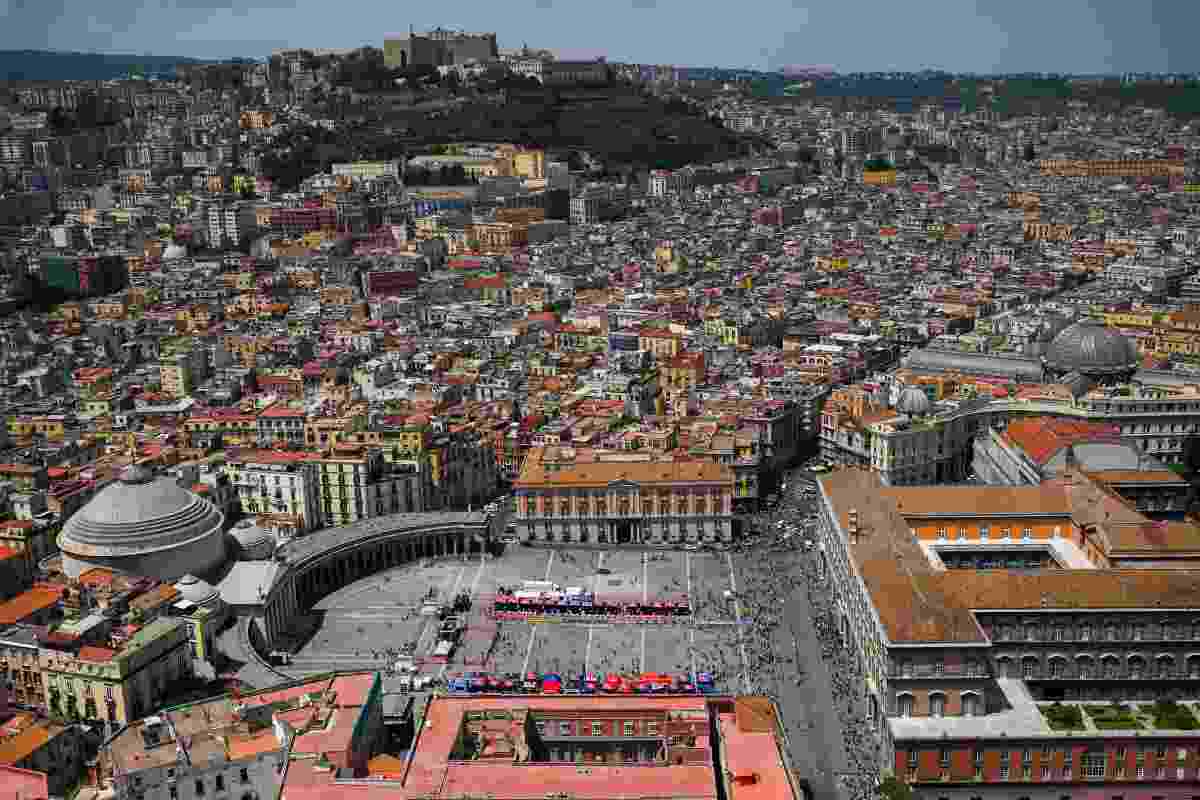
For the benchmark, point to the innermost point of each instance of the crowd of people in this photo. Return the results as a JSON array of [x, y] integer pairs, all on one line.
[[782, 558]]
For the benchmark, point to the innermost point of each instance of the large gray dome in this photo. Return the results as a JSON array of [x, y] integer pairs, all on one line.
[[1092, 349], [142, 526]]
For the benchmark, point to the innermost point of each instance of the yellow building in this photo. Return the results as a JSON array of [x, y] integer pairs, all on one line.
[[498, 236], [256, 120], [726, 332], [357, 485], [175, 376], [529, 163], [659, 342], [1132, 319], [121, 682], [52, 426]]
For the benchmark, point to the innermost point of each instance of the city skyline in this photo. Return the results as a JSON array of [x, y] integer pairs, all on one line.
[[970, 37]]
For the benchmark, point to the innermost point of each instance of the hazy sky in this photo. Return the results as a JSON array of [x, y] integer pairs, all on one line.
[[958, 35]]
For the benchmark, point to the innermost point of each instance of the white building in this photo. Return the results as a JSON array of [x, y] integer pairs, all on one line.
[[228, 223], [279, 487], [1152, 278]]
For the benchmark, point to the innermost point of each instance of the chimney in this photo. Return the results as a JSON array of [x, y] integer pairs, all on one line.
[[852, 526]]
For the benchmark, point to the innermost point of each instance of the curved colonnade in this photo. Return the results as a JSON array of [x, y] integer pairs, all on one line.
[[329, 559]]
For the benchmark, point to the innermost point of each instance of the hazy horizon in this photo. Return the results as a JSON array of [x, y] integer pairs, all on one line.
[[961, 36]]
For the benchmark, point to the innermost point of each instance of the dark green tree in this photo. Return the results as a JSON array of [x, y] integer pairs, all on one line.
[[892, 789]]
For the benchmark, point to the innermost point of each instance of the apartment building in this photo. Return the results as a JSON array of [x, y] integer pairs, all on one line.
[[240, 745], [278, 487], [229, 222], [281, 423], [358, 483], [42, 746], [114, 684]]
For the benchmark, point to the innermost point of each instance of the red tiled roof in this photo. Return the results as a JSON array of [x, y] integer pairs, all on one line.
[[282, 411], [95, 654], [29, 603], [1042, 437], [24, 783]]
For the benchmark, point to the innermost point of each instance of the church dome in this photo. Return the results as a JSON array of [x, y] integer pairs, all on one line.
[[913, 402], [253, 542], [1092, 349], [196, 590], [142, 525]]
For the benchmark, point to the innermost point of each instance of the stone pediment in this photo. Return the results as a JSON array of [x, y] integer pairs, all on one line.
[[623, 485]]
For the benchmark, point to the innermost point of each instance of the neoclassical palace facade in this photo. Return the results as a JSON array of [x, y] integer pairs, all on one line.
[[658, 503]]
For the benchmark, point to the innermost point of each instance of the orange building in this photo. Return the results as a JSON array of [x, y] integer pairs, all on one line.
[[625, 502]]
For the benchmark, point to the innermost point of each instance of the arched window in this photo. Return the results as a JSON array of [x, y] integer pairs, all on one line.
[[1166, 665], [1137, 667], [972, 705], [1029, 667], [937, 704], [1006, 667], [1110, 666], [1058, 667], [1193, 666], [904, 705], [1086, 666]]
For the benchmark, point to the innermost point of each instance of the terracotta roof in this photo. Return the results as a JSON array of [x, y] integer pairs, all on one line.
[[386, 766], [97, 576], [755, 768], [431, 772], [535, 475], [164, 593], [99, 655], [917, 603], [1042, 437], [1153, 537], [972, 501], [1137, 476], [28, 603], [24, 783], [282, 411], [16, 748]]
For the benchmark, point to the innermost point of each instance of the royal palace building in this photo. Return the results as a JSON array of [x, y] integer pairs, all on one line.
[[1011, 646]]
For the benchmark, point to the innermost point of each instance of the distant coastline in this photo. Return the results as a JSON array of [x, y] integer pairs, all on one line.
[[50, 65]]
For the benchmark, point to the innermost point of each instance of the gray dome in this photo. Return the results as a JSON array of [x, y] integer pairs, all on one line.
[[254, 542], [1091, 348], [195, 590], [138, 516], [913, 402]]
